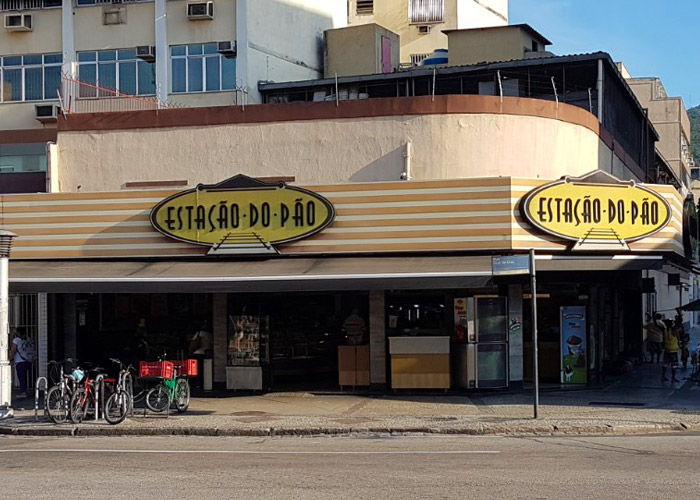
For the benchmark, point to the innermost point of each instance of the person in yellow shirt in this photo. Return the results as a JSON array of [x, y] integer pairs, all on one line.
[[655, 337], [671, 348]]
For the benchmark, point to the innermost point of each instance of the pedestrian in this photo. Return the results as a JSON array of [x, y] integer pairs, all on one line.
[[683, 338], [201, 348], [671, 348], [22, 355], [655, 336]]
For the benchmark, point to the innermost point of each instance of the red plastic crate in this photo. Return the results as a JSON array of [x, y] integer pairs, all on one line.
[[186, 367], [162, 369]]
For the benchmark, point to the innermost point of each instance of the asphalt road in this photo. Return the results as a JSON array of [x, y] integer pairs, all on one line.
[[652, 467]]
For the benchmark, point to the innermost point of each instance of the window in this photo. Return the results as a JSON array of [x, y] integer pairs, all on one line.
[[29, 157], [108, 71], [364, 7], [30, 78], [200, 68], [6, 5], [426, 11]]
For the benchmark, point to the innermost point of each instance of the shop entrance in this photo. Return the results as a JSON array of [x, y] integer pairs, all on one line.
[[291, 340]]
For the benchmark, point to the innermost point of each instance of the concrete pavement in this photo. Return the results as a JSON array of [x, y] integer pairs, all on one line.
[[636, 403], [629, 468]]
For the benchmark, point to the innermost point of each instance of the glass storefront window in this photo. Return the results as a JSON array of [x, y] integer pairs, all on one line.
[[419, 315], [29, 157], [492, 319]]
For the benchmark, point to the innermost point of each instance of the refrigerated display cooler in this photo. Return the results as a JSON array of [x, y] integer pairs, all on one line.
[[482, 361]]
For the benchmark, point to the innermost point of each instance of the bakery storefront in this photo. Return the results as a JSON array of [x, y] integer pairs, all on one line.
[[386, 285]]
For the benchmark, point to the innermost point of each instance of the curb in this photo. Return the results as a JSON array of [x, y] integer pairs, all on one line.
[[539, 429]]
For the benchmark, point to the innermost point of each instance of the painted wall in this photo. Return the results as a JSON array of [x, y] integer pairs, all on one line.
[[357, 50], [336, 151], [181, 30], [20, 116], [459, 14], [46, 36], [92, 34], [286, 46], [487, 45]]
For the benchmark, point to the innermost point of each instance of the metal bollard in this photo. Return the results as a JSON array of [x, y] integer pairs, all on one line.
[[98, 394], [37, 388]]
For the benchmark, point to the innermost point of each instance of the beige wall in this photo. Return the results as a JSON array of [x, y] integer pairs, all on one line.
[[46, 36], [336, 151], [357, 50], [487, 45], [670, 119], [91, 34], [181, 30], [20, 116], [459, 14]]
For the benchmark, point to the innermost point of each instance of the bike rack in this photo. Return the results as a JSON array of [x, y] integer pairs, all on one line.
[[37, 388], [98, 395]]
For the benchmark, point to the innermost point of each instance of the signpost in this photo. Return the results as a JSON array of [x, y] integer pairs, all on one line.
[[514, 265]]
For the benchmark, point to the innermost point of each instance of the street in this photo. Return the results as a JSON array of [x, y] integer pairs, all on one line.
[[650, 467]]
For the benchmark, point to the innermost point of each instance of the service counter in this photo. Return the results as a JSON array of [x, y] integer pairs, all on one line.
[[420, 362]]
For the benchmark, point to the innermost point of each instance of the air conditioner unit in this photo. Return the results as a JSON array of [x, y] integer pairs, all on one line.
[[46, 113], [113, 15], [200, 10], [424, 29], [146, 53], [19, 22], [227, 49]]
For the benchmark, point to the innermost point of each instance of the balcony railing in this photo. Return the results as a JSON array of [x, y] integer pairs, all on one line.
[[82, 3], [8, 5]]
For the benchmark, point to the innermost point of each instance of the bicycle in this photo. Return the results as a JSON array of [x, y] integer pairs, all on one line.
[[84, 396], [120, 402], [174, 389], [57, 399]]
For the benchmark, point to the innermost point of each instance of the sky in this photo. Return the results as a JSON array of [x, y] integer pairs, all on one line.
[[651, 37]]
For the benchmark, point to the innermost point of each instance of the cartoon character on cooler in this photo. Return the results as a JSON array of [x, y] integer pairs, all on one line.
[[568, 373]]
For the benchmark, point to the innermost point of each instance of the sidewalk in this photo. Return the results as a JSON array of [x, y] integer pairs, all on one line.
[[613, 410], [636, 403]]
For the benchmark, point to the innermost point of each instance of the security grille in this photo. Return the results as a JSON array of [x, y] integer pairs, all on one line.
[[364, 7], [24, 314], [426, 11]]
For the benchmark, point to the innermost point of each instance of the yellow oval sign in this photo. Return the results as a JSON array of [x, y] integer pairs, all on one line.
[[242, 211], [586, 209]]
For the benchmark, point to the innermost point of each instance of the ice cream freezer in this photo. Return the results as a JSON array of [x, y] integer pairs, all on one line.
[[420, 362]]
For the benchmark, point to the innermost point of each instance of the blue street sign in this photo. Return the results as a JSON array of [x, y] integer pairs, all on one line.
[[510, 265]]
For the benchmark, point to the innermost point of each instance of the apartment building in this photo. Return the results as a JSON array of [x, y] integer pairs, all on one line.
[[164, 53], [670, 119], [420, 23]]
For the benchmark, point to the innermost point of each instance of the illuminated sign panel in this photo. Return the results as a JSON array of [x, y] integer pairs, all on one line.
[[242, 215], [597, 210]]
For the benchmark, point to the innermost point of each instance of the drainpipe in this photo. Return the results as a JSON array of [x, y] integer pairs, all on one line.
[[407, 156], [599, 86], [162, 52]]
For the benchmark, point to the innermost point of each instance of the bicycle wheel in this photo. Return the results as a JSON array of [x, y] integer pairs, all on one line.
[[117, 407], [78, 406], [182, 395], [157, 399], [57, 405]]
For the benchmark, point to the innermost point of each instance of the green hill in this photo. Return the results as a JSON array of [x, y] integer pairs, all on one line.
[[694, 114]]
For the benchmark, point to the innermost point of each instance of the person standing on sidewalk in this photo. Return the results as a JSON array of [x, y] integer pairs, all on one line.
[[201, 348], [671, 348], [655, 336], [22, 355]]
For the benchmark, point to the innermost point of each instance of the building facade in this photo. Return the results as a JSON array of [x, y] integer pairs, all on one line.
[[137, 54], [420, 23]]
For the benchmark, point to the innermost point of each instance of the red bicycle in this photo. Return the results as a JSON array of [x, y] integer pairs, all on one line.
[[84, 398]]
